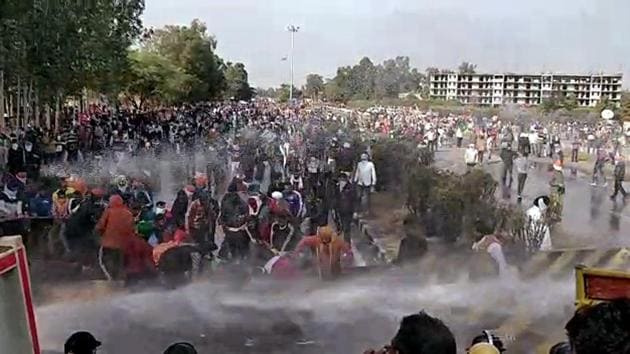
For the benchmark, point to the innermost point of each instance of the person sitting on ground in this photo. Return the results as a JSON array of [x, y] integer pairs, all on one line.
[[420, 334], [603, 328], [81, 343]]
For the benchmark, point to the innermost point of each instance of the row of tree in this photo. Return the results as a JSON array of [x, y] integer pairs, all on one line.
[[366, 81], [52, 51]]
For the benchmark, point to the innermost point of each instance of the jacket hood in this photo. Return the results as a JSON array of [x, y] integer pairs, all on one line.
[[115, 201]]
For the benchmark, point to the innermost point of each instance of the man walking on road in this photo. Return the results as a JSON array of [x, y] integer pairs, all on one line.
[[365, 179], [470, 157], [620, 174], [507, 156], [598, 169], [522, 165]]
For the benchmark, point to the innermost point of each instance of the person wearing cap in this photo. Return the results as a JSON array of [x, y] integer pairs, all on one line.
[[328, 251], [81, 343], [365, 179]]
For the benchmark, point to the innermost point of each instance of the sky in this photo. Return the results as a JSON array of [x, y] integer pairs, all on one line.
[[571, 36]]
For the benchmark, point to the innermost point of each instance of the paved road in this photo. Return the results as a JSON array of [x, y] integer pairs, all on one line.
[[349, 315], [590, 218], [308, 317]]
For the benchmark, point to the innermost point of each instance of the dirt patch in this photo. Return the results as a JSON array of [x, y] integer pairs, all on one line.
[[388, 211]]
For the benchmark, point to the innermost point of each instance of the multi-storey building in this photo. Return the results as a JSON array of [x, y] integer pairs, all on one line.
[[525, 89]]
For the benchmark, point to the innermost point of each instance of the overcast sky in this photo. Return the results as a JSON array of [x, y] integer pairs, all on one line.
[[497, 35]]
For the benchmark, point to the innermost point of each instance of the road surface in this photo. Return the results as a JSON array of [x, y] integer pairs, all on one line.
[[352, 314]]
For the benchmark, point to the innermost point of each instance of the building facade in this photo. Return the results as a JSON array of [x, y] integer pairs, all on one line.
[[521, 89]]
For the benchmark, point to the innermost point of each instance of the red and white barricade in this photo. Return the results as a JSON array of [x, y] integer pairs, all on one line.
[[18, 330]]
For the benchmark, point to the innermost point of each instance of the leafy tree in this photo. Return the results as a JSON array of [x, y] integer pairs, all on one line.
[[467, 68], [550, 104], [237, 85], [192, 49], [314, 86], [153, 77], [570, 102], [604, 103]]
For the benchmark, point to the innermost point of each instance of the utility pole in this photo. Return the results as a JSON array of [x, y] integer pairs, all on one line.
[[293, 29]]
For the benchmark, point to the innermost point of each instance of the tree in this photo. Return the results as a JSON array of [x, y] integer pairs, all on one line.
[[314, 86], [467, 68], [153, 77], [570, 102], [192, 49], [237, 85]]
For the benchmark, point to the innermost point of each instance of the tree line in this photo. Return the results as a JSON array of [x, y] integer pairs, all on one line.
[[55, 51], [366, 81]]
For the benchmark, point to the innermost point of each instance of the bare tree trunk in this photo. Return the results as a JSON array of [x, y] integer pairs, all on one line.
[[57, 108], [2, 107], [47, 116], [28, 103], [36, 107], [11, 105], [18, 102]]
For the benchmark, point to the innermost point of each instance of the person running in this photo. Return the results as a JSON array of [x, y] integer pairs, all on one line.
[[620, 174]]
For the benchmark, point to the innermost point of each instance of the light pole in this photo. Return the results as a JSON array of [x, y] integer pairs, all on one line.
[[293, 29]]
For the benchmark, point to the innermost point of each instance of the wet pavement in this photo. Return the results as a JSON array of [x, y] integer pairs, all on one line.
[[590, 217], [310, 316], [350, 315]]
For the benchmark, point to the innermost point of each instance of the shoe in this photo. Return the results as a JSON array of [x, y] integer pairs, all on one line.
[[593, 184], [605, 185]]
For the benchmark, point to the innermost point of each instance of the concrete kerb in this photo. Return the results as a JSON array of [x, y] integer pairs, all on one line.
[[371, 237]]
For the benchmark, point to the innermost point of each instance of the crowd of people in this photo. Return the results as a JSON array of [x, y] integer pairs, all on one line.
[[258, 186]]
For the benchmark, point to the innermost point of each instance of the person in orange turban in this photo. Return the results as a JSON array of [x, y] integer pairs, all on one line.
[[328, 250]]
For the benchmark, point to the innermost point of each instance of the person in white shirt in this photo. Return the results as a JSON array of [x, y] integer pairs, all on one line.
[[470, 157], [459, 134], [365, 179]]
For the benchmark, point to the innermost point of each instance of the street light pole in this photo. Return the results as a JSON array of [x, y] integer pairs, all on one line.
[[293, 29]]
